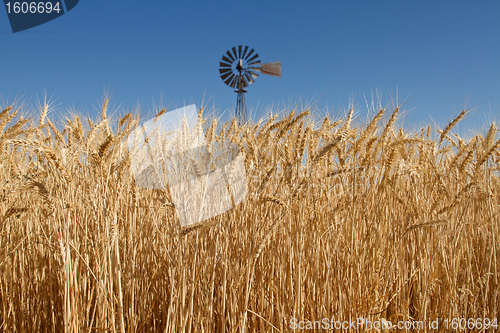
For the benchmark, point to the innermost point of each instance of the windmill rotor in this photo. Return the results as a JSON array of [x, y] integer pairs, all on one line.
[[239, 68], [238, 65]]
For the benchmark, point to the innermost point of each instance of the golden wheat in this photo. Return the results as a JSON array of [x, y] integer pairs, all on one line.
[[359, 221]]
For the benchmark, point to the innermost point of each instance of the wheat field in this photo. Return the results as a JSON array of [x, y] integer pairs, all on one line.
[[343, 219]]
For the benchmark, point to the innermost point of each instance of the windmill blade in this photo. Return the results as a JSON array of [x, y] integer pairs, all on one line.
[[249, 54], [230, 56], [224, 76], [226, 59], [239, 51], [249, 78], [235, 80], [254, 75], [229, 79], [243, 81], [234, 52], [225, 70], [244, 52], [223, 64], [253, 58], [239, 83], [271, 68], [242, 84], [246, 84], [257, 62]]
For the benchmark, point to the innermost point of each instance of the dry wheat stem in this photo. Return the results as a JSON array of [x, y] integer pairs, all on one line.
[[340, 219]]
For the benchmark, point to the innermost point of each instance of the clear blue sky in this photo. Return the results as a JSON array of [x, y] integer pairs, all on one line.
[[437, 55]]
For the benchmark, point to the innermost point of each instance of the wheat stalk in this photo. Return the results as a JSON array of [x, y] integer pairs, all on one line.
[[451, 124], [386, 214]]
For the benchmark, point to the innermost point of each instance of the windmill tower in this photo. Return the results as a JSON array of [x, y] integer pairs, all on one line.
[[238, 69]]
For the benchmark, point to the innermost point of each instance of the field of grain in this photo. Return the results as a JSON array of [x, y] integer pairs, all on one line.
[[344, 219]]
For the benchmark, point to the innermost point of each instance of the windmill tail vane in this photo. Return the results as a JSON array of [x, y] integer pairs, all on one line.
[[239, 68]]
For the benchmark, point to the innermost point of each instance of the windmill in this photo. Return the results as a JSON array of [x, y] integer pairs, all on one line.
[[239, 69]]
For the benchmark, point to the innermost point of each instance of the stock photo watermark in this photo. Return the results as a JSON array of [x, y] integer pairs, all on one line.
[[25, 15], [383, 324]]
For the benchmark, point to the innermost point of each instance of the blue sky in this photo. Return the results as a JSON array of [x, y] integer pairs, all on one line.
[[439, 57]]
